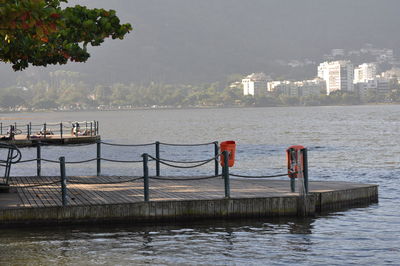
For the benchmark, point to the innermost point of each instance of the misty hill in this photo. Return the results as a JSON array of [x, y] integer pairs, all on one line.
[[192, 41]]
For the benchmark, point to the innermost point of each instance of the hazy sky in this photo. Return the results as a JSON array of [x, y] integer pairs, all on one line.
[[206, 40]]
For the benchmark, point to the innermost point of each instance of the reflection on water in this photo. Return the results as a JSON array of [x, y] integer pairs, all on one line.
[[356, 143], [219, 242]]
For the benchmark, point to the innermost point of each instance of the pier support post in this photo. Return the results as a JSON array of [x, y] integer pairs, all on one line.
[[158, 158], [28, 132], [293, 184], [61, 130], [98, 144], [38, 159], [305, 169], [63, 182], [146, 176], [225, 174], [216, 150]]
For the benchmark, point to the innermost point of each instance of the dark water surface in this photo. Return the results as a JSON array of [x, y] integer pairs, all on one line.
[[357, 144]]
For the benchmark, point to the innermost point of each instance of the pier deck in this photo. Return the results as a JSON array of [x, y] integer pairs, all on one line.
[[170, 199], [24, 141]]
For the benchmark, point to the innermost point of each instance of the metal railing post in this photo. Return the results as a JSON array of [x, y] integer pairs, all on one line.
[[158, 158], [61, 130], [91, 128], [44, 130], [98, 144], [1, 128], [216, 150], [97, 128], [146, 176], [63, 182], [28, 133], [305, 169], [225, 173], [292, 184], [38, 159]]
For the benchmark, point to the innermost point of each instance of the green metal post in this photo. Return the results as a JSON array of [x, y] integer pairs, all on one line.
[[63, 182], [293, 184], [305, 169], [61, 130], [28, 133], [158, 158], [146, 176], [225, 173], [216, 164], [98, 158], [38, 159]]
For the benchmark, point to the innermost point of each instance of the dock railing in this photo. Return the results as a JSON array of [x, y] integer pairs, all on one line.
[[45, 130], [146, 158]]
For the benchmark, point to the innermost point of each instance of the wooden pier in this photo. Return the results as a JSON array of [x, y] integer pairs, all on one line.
[[117, 200], [24, 141], [26, 135]]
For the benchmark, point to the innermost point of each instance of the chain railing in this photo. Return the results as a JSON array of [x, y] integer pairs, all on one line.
[[146, 158]]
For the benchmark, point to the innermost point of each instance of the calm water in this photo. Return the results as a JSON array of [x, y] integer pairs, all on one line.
[[345, 143]]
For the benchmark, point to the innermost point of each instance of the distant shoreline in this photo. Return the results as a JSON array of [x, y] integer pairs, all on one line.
[[177, 108]]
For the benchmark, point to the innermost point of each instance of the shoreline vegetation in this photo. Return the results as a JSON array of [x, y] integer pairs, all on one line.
[[172, 108], [67, 91]]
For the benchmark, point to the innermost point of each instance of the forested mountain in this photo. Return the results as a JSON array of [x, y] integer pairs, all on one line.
[[193, 41]]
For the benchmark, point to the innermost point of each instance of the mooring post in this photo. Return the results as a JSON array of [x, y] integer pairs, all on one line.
[[225, 173], [63, 181], [38, 159], [28, 133], [98, 144], [146, 176], [158, 158], [216, 151], [293, 184], [61, 130], [305, 169]]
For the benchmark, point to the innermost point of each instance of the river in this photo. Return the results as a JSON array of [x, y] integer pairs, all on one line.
[[350, 143]]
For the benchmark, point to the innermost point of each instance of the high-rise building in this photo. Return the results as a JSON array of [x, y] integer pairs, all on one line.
[[338, 75], [364, 72], [255, 84]]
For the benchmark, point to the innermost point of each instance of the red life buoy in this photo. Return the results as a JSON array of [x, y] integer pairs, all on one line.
[[294, 160]]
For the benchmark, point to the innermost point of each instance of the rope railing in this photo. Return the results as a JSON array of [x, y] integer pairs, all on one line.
[[183, 167], [186, 145], [184, 179], [146, 158], [127, 145], [260, 176]]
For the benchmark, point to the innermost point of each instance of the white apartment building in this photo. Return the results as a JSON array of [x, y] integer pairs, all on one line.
[[364, 72], [338, 75], [255, 84], [298, 88], [378, 86]]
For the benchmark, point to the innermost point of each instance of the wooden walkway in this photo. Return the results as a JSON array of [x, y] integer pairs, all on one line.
[[24, 141], [25, 193]]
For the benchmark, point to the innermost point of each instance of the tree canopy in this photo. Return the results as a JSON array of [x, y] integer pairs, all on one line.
[[41, 32]]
